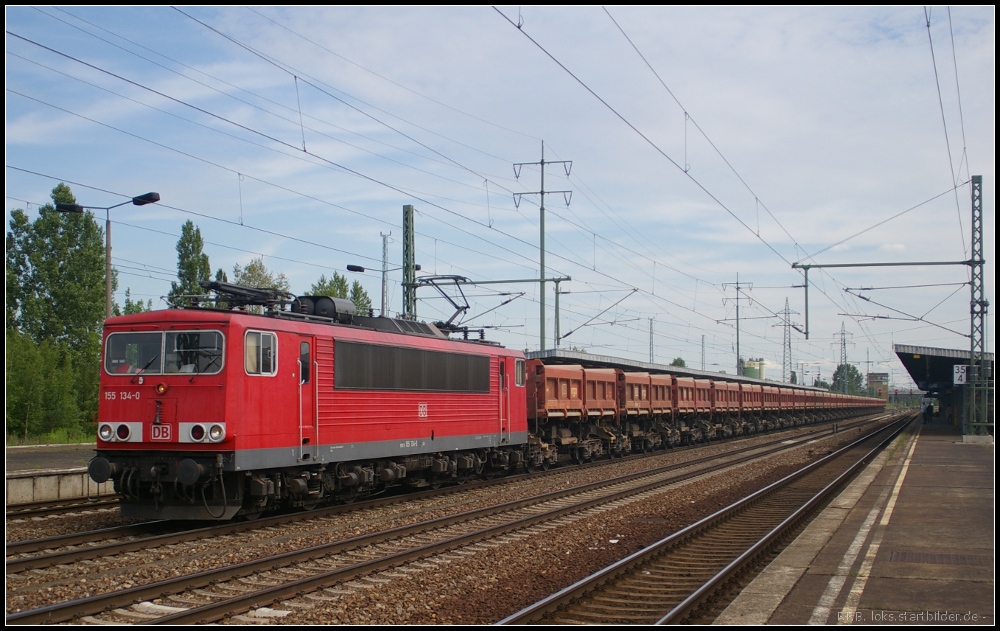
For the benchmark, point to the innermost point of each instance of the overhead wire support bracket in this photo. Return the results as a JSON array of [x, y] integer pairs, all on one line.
[[808, 266], [598, 315]]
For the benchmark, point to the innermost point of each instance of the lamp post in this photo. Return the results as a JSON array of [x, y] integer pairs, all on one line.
[[385, 277], [141, 200]]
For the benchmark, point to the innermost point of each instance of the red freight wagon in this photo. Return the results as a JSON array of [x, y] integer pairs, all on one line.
[[661, 389], [751, 399], [635, 394], [685, 398], [703, 397], [600, 393], [554, 391]]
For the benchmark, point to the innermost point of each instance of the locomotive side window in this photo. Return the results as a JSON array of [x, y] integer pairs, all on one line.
[[304, 362], [519, 372], [260, 353]]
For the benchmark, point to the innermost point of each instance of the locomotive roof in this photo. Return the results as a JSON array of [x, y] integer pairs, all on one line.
[[289, 321]]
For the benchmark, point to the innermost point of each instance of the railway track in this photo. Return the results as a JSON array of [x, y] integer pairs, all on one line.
[[667, 582], [214, 594], [60, 550], [29, 510]]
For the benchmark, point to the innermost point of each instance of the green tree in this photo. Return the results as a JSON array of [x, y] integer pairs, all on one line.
[[255, 274], [360, 298], [55, 300], [847, 379], [41, 389], [136, 306], [335, 287], [192, 263], [678, 361], [131, 306], [55, 274]]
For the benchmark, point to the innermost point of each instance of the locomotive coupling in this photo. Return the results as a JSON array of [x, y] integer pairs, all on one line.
[[189, 471], [101, 470]]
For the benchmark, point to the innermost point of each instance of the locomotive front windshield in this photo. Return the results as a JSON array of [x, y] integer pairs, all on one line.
[[156, 353]]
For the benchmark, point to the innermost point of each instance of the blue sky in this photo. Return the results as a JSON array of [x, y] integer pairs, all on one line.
[[707, 145]]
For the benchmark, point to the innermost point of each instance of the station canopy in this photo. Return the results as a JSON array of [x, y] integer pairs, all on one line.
[[933, 369]]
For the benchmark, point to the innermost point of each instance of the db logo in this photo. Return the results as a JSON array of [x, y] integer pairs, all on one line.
[[422, 410], [160, 432]]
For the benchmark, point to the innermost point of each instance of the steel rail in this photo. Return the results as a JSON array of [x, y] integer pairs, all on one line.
[[623, 567], [66, 611]]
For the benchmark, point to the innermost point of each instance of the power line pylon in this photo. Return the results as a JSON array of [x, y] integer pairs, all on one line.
[[786, 362], [568, 165], [979, 389]]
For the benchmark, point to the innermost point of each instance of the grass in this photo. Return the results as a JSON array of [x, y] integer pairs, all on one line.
[[55, 437]]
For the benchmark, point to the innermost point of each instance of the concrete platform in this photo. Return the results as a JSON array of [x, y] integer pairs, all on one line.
[[910, 541], [50, 472]]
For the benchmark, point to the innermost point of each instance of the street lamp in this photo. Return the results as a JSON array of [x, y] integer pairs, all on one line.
[[141, 200], [385, 272]]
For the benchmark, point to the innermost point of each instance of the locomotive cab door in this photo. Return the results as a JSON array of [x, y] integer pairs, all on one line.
[[504, 403], [308, 400]]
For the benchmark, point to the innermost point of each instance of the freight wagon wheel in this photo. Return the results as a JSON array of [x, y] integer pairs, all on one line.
[[252, 516], [309, 505]]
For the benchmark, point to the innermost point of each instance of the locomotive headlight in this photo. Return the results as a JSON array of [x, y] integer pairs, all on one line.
[[105, 432], [216, 433], [197, 433], [123, 432], [161, 388]]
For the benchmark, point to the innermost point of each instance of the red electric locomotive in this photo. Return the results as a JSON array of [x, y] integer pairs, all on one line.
[[213, 413]]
